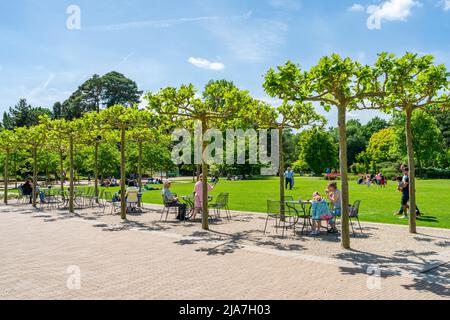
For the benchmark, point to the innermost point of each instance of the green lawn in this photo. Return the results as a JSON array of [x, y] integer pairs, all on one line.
[[378, 205]]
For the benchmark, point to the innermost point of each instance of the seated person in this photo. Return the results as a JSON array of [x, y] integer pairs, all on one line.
[[132, 194], [334, 196], [320, 212], [172, 201], [198, 192], [114, 182], [27, 189]]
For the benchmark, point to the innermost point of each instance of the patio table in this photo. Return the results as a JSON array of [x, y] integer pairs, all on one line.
[[305, 209], [190, 202]]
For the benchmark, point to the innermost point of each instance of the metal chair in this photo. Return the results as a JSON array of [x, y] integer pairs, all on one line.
[[221, 203], [167, 207], [274, 211], [354, 214], [109, 199], [22, 199]]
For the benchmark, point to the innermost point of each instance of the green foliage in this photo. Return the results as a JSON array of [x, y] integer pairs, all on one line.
[[23, 115], [97, 93], [109, 160], [375, 125], [317, 150], [381, 147], [427, 139]]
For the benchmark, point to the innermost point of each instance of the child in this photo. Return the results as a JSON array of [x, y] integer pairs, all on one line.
[[320, 212], [400, 184]]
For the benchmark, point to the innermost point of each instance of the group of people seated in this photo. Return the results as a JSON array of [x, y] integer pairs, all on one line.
[[172, 200], [113, 182], [369, 179], [321, 210], [154, 181], [26, 190]]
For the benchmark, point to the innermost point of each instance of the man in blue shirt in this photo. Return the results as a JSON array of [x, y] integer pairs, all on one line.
[[289, 176]]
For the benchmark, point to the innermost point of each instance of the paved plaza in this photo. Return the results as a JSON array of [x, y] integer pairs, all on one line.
[[92, 254]]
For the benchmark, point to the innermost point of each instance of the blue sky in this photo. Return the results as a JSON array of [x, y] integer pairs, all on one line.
[[160, 43]]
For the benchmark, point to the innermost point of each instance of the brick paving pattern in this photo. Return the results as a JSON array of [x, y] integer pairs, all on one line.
[[145, 258]]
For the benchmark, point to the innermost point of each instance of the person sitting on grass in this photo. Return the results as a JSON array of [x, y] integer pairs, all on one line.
[[172, 201], [334, 196]]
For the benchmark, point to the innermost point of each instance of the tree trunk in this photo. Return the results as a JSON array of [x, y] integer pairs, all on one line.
[[72, 177], [344, 179], [47, 175], [15, 170], [205, 217], [96, 172], [140, 170], [199, 171], [411, 166], [6, 177], [123, 203], [61, 164], [34, 177], [281, 173]]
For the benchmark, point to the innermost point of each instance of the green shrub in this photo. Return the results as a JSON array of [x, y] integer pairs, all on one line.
[[434, 173]]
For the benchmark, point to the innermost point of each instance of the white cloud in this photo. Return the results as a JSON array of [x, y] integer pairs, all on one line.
[[445, 4], [42, 87], [254, 41], [390, 10], [206, 64], [166, 23], [286, 4], [356, 8]]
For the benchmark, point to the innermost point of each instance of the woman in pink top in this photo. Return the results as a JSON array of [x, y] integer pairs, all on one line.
[[199, 193]]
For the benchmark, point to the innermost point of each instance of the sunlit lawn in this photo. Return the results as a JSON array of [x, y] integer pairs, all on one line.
[[378, 205]]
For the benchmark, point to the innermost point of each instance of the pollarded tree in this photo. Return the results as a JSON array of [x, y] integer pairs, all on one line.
[[94, 134], [334, 81], [412, 82], [70, 132], [286, 116], [8, 142], [34, 138], [123, 118], [57, 142], [146, 131], [221, 101]]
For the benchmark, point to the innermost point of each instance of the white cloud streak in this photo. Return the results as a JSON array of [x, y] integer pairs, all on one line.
[[286, 4], [166, 23], [357, 8], [206, 64]]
